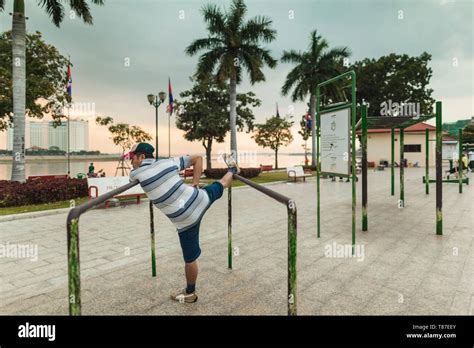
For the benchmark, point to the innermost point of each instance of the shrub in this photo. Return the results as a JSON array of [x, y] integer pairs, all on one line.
[[218, 173], [13, 193]]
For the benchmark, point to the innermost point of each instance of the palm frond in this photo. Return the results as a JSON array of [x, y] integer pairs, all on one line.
[[206, 43], [292, 56], [235, 16], [208, 61], [215, 19], [54, 9], [258, 28], [2, 5]]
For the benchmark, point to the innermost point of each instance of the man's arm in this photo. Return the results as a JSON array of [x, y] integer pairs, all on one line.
[[196, 163]]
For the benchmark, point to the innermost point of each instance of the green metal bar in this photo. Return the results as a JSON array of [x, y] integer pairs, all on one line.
[[365, 219], [392, 165], [439, 169], [353, 153], [451, 165], [152, 237], [292, 237], [402, 169], [318, 166], [74, 269], [449, 181], [460, 163], [229, 227], [427, 160], [72, 225], [335, 108], [348, 73]]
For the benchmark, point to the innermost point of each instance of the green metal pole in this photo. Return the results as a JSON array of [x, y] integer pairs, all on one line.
[[317, 119], [402, 169], [460, 163], [392, 166], [74, 270], [152, 236], [450, 165], [229, 227], [365, 218], [353, 164], [439, 169], [292, 255], [427, 161]]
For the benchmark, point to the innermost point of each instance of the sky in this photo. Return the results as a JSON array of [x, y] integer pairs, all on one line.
[[135, 45]]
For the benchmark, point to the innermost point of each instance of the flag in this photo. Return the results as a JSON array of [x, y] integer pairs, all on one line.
[[69, 81], [277, 114], [170, 96]]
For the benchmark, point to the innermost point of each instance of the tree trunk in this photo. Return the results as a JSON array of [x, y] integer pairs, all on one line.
[[208, 153], [19, 89], [233, 115], [276, 159], [312, 112]]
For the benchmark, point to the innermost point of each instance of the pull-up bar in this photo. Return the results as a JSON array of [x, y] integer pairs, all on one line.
[[73, 245], [292, 236]]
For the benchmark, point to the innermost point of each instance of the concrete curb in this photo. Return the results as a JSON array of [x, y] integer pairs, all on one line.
[[32, 215]]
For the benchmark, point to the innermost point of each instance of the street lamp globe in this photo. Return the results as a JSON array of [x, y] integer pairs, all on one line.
[[151, 98], [162, 96]]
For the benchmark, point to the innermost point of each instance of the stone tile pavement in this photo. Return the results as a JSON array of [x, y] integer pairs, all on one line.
[[405, 269]]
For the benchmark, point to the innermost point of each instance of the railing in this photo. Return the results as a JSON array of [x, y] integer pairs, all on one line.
[[73, 245], [292, 236]]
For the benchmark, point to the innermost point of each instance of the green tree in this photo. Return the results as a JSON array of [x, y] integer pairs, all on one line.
[[399, 78], [305, 134], [233, 45], [274, 133], [317, 64], [46, 70], [55, 10], [468, 133], [123, 135], [203, 114]]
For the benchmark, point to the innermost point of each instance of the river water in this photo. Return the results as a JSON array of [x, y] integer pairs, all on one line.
[[49, 168]]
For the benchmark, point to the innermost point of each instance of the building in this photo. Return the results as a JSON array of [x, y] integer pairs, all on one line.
[[379, 144], [43, 134]]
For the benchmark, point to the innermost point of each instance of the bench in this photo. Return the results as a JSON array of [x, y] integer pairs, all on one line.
[[47, 177], [107, 184], [266, 167], [297, 172]]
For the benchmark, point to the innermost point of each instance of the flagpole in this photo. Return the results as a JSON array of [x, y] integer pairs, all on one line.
[[169, 135], [69, 124]]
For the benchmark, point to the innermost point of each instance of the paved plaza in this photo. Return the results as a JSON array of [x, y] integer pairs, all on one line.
[[405, 268]]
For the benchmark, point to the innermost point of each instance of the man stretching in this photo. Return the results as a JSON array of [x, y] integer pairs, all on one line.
[[183, 204]]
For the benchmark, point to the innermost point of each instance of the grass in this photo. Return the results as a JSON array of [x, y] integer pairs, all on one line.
[[261, 179]]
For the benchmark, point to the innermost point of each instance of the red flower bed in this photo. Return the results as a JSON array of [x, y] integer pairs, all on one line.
[[13, 193]]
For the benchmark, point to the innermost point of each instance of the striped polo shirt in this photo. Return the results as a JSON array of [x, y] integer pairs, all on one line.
[[183, 204]]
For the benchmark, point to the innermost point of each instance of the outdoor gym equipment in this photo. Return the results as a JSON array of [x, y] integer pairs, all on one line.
[[74, 283], [460, 180]]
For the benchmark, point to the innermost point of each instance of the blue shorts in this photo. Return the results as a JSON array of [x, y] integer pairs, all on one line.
[[189, 239]]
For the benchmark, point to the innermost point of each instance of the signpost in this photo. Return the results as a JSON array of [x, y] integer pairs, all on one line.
[[335, 142]]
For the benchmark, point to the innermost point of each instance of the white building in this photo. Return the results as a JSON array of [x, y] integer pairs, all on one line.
[[43, 134]]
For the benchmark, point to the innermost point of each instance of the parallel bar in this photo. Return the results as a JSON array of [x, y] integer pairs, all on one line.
[[353, 162], [72, 224], [439, 169], [364, 170], [318, 166], [292, 239], [229, 227], [460, 162], [152, 238], [348, 73], [402, 170], [392, 165], [427, 160]]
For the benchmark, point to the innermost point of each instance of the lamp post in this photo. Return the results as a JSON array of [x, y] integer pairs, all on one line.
[[156, 101]]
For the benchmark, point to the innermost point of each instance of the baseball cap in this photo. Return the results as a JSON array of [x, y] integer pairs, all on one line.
[[140, 148]]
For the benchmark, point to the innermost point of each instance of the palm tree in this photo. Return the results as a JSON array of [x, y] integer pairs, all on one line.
[[55, 10], [231, 45], [314, 66]]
